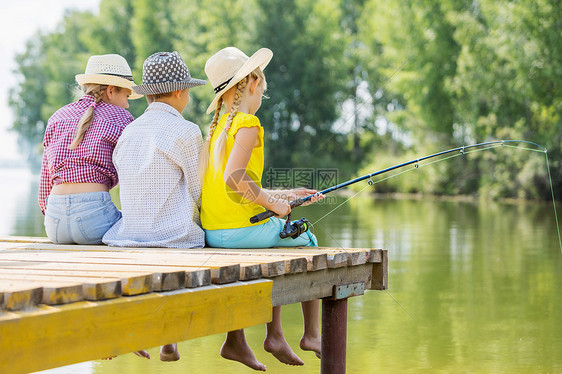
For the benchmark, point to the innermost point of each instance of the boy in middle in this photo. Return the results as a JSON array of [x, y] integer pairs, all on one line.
[[157, 159]]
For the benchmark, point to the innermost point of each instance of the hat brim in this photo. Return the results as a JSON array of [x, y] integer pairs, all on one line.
[[260, 59], [165, 87], [110, 80]]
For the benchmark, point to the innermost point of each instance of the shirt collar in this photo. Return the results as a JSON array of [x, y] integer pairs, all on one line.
[[158, 105]]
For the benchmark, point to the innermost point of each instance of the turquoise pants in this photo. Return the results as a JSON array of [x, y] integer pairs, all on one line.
[[265, 235]]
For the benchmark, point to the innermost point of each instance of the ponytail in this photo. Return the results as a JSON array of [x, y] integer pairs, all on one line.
[[206, 150], [96, 91], [220, 144]]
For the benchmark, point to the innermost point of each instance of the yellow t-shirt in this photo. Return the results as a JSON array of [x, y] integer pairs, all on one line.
[[222, 207]]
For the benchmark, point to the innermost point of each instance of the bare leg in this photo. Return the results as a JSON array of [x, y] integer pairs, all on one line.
[[169, 352], [236, 348], [142, 353], [311, 339], [275, 342]]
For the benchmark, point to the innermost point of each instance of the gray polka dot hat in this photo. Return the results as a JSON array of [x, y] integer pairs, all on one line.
[[165, 72]]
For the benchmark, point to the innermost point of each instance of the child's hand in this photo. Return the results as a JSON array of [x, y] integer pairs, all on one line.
[[299, 193], [280, 207]]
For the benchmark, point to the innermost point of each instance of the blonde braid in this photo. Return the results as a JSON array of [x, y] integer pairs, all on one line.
[[220, 145], [96, 91], [206, 150]]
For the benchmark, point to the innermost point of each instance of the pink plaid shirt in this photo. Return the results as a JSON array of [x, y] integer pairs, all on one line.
[[92, 161]]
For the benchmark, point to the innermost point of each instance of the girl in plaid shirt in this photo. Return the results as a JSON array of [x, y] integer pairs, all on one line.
[[77, 170]]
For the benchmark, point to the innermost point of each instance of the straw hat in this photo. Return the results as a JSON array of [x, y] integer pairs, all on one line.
[[229, 66], [164, 72], [111, 70]]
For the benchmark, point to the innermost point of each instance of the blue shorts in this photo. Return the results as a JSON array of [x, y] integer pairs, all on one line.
[[80, 218], [259, 236]]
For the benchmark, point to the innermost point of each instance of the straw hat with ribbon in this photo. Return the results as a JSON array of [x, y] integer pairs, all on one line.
[[229, 66], [111, 70], [164, 72]]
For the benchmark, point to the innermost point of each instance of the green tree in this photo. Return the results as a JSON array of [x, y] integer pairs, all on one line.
[[304, 79], [46, 71], [203, 28]]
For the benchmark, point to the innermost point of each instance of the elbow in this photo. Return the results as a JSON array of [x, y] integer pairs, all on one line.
[[233, 178], [229, 180]]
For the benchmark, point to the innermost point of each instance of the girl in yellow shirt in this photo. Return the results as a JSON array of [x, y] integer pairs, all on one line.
[[231, 167]]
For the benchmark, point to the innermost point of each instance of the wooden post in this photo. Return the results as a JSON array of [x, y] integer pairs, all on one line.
[[334, 336]]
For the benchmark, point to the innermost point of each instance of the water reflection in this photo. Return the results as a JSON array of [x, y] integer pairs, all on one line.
[[473, 287]]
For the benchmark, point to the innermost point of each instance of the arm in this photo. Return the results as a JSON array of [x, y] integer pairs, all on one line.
[[236, 178], [189, 161], [45, 184], [297, 193]]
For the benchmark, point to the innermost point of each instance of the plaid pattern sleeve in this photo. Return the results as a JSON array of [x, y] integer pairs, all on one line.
[[45, 181], [91, 161]]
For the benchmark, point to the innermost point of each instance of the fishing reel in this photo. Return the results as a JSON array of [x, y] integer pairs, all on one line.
[[294, 229]]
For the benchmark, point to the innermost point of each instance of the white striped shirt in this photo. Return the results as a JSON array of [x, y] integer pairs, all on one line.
[[156, 159]]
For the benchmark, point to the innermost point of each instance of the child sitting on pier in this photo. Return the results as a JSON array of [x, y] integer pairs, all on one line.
[[231, 167], [77, 170], [157, 160]]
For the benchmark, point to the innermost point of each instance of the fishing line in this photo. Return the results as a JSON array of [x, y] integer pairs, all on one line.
[[385, 291], [417, 165], [369, 184], [553, 200], [462, 153]]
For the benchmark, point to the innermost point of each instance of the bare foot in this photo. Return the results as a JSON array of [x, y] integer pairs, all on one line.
[[236, 348], [169, 352], [310, 343], [280, 349], [142, 353]]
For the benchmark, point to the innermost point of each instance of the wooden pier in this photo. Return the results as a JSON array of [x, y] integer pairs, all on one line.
[[78, 303]]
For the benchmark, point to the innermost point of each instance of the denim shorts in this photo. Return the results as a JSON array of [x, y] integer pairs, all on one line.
[[80, 218], [265, 235]]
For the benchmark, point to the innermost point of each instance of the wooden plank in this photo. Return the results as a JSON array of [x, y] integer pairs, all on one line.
[[293, 288], [375, 255], [250, 272], [337, 260], [163, 278], [197, 278], [133, 283], [18, 297], [168, 280], [161, 281], [316, 260], [44, 243], [92, 289], [123, 325], [225, 274], [295, 265], [273, 269], [356, 258], [94, 286], [52, 292], [380, 273], [219, 274], [25, 239], [315, 256], [213, 260]]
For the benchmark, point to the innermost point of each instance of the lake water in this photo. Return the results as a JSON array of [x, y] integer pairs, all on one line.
[[474, 287]]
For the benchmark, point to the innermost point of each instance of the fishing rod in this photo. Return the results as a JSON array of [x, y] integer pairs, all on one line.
[[300, 226]]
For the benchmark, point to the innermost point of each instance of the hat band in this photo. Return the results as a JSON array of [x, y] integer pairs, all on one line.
[[222, 85], [127, 77]]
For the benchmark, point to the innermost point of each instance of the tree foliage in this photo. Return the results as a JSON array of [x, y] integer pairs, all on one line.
[[354, 84]]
